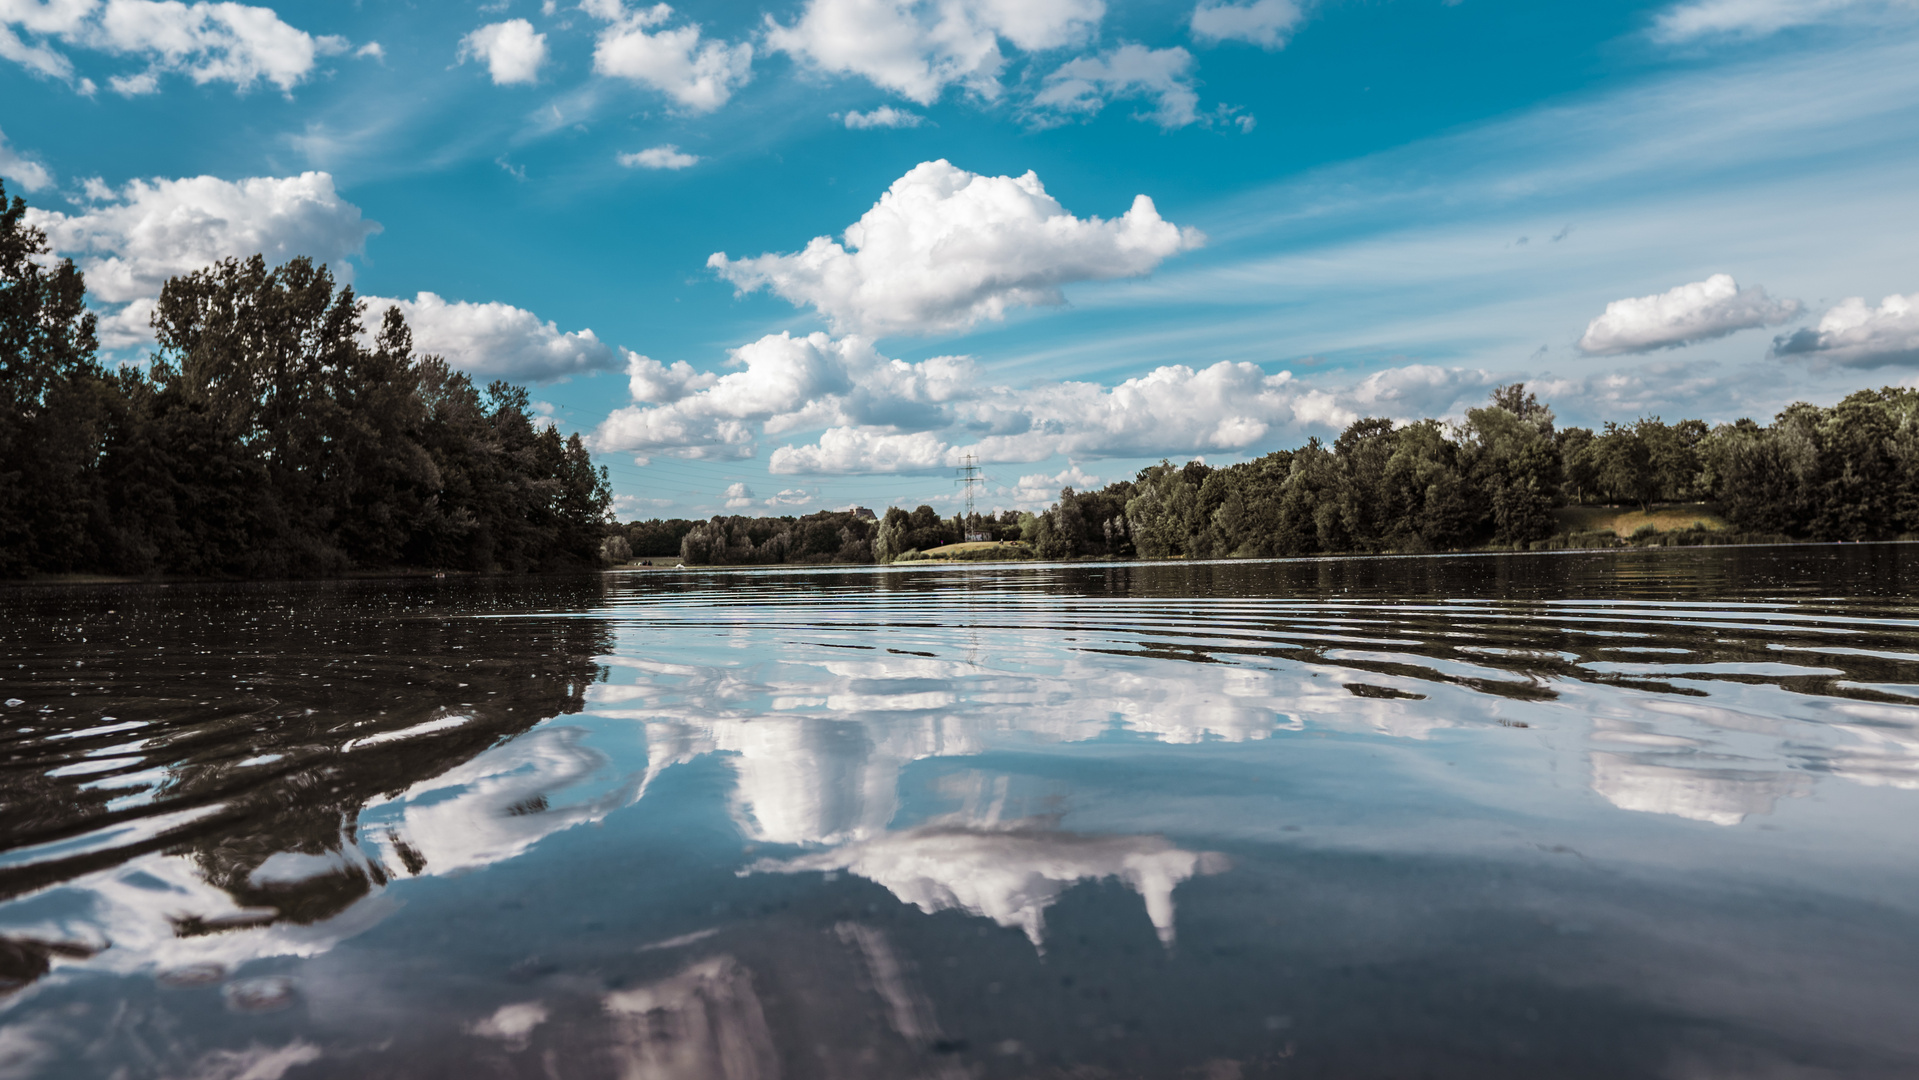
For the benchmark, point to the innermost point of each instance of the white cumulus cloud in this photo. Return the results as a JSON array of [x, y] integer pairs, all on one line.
[[494, 340], [130, 241], [150, 230], [1266, 23], [667, 156], [21, 169], [785, 383], [1082, 87], [738, 496], [206, 42], [1699, 311], [1697, 19], [853, 450], [653, 382], [1036, 491], [918, 48], [1414, 392], [945, 248], [879, 415], [1855, 335], [1671, 387], [885, 116], [1171, 409], [637, 46], [512, 50]]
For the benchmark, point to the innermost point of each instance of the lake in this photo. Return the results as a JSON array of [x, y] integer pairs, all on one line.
[[1619, 814]]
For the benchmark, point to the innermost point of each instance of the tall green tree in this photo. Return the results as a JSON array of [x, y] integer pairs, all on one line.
[[1578, 461], [1514, 459], [1368, 520], [270, 436], [53, 404], [1623, 465], [1163, 510], [1429, 503]]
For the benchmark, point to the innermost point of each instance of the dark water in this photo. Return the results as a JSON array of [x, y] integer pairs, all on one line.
[[1609, 815]]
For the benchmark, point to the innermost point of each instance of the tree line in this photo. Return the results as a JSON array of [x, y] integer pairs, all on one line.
[[1850, 472], [831, 536], [273, 434], [1497, 480]]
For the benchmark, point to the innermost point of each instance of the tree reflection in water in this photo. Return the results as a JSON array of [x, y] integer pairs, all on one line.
[[1640, 814], [203, 756]]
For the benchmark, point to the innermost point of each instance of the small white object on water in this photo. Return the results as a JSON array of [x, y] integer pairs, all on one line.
[[268, 994]]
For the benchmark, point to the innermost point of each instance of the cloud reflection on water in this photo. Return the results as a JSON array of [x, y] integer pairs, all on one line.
[[1012, 872], [705, 1023], [814, 740], [495, 806], [1723, 796]]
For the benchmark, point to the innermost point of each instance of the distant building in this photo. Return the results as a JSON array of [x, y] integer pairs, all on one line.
[[978, 537], [863, 513]]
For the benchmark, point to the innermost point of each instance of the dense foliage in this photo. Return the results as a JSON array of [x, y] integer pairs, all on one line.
[[1850, 472], [827, 537], [272, 435], [833, 536], [901, 532], [654, 539]]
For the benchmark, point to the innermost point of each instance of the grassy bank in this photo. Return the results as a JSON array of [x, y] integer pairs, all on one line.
[[979, 551], [1625, 521], [1661, 525]]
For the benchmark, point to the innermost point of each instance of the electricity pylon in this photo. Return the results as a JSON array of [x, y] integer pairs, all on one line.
[[969, 478]]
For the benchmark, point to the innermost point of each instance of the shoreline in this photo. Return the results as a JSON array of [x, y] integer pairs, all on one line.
[[405, 574], [97, 580], [1104, 560]]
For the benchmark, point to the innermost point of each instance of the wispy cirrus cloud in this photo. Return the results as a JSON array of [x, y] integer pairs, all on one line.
[[1697, 20], [1410, 255]]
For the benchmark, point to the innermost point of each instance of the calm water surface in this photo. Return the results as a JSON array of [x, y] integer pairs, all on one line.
[[1601, 815]]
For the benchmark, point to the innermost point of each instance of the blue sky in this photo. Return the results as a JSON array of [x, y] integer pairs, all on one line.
[[1353, 207]]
